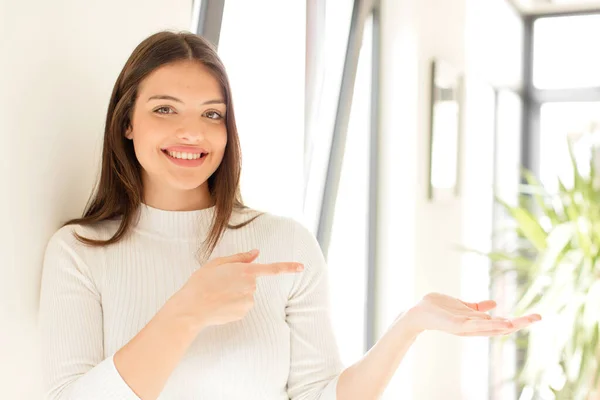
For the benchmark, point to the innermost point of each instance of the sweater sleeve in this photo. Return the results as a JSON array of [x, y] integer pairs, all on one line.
[[315, 363], [71, 331]]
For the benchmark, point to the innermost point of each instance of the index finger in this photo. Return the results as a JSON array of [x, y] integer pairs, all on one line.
[[275, 268]]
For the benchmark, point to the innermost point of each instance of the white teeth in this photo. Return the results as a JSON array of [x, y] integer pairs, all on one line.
[[184, 156]]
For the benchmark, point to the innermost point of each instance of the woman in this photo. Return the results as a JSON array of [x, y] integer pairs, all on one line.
[[154, 293]]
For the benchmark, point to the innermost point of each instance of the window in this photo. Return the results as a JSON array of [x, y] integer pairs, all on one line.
[[264, 56], [348, 250], [562, 96], [558, 120], [338, 15], [564, 52]]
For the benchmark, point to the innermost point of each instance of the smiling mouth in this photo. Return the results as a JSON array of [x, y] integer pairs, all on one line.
[[185, 157]]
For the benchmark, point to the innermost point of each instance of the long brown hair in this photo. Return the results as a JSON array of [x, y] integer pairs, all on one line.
[[119, 191]]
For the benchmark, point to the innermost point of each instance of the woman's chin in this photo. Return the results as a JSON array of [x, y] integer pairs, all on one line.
[[183, 183]]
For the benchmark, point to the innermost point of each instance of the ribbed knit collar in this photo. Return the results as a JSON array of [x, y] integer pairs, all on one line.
[[175, 224]]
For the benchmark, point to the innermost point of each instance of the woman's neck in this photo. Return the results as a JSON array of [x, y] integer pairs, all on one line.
[[171, 199]]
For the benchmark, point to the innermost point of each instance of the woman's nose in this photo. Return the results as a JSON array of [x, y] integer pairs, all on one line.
[[192, 131]]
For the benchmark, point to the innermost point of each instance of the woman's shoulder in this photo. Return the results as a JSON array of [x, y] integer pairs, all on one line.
[[269, 222], [66, 234], [287, 234]]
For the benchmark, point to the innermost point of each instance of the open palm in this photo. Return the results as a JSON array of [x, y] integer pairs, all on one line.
[[448, 314]]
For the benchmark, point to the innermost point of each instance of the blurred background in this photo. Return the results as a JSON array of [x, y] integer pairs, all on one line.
[[388, 127]]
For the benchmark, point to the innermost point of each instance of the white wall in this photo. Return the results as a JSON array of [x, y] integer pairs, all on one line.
[[399, 156], [60, 61], [417, 238], [415, 258]]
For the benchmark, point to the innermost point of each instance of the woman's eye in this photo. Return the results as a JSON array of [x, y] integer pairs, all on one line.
[[213, 115], [163, 110]]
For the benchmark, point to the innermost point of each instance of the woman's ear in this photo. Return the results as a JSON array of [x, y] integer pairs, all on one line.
[[128, 134]]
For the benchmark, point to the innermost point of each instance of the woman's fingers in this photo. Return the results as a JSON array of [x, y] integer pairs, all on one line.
[[526, 320], [483, 306], [487, 305], [497, 326]]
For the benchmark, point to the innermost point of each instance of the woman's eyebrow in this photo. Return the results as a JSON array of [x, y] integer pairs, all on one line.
[[167, 97]]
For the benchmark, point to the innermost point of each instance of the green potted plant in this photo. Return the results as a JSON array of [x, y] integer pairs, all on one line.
[[556, 260]]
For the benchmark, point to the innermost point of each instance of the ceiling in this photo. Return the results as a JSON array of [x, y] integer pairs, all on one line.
[[530, 7]]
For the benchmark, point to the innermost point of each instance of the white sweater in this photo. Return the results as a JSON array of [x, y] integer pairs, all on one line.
[[94, 300]]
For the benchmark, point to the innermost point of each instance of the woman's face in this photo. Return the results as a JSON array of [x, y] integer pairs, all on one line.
[[179, 109]]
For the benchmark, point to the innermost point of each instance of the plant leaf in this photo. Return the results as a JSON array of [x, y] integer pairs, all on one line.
[[578, 180], [539, 193], [528, 225], [557, 244]]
